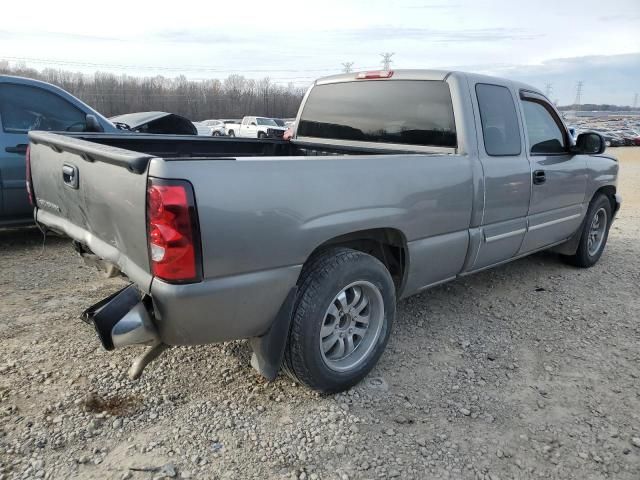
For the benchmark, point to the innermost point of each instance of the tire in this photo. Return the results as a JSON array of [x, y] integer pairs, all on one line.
[[216, 133], [262, 135], [231, 133], [590, 251], [316, 311]]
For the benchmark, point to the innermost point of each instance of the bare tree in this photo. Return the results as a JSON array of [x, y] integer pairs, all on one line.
[[112, 94]]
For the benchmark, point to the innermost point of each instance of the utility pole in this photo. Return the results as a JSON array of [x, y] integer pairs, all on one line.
[[347, 67], [548, 89], [578, 94], [386, 60], [635, 101]]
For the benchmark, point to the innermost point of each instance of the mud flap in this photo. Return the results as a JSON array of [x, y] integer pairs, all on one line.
[[268, 350]]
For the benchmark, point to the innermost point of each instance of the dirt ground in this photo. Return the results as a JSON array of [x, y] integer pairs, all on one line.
[[530, 370]]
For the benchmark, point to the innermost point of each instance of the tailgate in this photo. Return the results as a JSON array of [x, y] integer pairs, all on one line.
[[96, 195]]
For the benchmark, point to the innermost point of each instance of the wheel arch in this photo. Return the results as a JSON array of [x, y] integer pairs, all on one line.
[[571, 245], [610, 192], [389, 245]]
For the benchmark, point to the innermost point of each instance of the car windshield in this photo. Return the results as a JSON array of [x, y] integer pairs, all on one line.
[[267, 121]]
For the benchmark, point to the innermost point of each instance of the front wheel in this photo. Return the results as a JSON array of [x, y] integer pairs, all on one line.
[[231, 133], [595, 232], [262, 135], [341, 320]]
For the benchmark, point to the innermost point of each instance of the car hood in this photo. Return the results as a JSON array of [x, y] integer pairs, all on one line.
[[135, 120]]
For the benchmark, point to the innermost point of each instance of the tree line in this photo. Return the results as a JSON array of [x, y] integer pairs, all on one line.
[[112, 94], [600, 107]]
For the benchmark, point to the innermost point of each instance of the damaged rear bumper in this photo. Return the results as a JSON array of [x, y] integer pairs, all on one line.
[[125, 318], [122, 319]]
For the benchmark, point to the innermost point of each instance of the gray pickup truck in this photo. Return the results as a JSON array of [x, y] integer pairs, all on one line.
[[393, 182]]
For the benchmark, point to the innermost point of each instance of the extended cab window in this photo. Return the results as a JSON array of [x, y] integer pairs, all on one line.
[[25, 108], [499, 120], [391, 111], [543, 129]]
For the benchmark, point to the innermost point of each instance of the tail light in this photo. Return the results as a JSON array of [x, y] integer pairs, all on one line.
[[174, 237], [375, 74], [30, 194]]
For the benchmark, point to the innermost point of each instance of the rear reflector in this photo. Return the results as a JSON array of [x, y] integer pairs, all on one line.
[[28, 177], [174, 238], [375, 74]]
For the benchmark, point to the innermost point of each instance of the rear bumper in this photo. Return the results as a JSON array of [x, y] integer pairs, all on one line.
[[221, 309], [215, 310], [122, 319]]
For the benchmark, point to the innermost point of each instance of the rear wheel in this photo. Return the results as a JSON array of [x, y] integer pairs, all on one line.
[[216, 133], [595, 232], [231, 133], [341, 320]]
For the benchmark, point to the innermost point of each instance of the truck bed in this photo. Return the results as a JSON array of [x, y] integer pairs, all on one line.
[[172, 147]]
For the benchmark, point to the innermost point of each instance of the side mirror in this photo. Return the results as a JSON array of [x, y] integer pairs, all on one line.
[[589, 143], [92, 124], [253, 124]]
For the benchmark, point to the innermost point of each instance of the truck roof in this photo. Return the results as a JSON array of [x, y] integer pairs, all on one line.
[[420, 74]]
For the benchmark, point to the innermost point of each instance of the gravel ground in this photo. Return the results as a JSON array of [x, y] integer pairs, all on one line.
[[530, 370]]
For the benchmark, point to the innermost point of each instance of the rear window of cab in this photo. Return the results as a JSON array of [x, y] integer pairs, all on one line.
[[411, 112]]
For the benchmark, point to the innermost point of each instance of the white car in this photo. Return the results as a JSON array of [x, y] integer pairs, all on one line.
[[231, 126], [216, 127], [203, 130], [259, 127]]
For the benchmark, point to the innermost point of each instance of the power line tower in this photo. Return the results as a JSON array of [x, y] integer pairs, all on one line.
[[386, 60], [548, 89], [578, 101], [347, 67], [635, 101]]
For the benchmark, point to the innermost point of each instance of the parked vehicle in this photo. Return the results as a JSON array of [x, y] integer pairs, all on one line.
[[260, 127], [216, 126], [26, 105], [611, 139], [231, 126], [394, 182], [156, 123], [202, 129], [628, 136]]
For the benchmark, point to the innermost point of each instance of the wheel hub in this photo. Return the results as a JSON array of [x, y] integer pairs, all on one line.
[[597, 231], [351, 326]]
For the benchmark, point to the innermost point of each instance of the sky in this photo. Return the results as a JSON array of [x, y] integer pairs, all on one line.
[[539, 42]]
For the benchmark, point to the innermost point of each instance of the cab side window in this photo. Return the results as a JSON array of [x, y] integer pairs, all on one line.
[[545, 134], [499, 120], [25, 108]]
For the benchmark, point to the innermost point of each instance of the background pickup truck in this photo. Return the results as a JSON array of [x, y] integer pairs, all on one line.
[[394, 182], [256, 127], [27, 105]]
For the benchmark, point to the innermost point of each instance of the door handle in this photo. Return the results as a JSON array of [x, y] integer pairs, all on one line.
[[70, 175], [20, 148], [539, 177]]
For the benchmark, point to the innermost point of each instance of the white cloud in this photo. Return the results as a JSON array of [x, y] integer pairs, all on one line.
[[300, 40]]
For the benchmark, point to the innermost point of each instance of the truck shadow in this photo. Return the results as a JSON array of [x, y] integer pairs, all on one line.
[[11, 238]]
